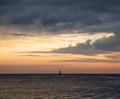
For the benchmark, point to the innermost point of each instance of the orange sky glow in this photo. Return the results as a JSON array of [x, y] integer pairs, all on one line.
[[15, 59]]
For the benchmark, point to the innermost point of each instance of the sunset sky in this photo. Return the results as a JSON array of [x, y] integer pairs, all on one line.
[[43, 36]]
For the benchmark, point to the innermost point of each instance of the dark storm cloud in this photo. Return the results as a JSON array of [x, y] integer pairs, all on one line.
[[76, 14], [8, 2]]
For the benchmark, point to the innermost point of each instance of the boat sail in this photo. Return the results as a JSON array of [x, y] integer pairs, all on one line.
[[60, 72]]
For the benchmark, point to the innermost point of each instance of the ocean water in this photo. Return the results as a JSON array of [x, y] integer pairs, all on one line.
[[50, 86]]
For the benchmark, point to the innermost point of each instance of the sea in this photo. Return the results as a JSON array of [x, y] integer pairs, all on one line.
[[54, 86]]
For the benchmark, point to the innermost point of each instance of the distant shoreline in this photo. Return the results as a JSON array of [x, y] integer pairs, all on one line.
[[58, 74]]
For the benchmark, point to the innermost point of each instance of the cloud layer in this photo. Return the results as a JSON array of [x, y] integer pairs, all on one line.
[[65, 16], [58, 15], [101, 46]]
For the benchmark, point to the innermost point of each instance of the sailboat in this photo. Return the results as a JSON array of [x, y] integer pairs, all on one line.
[[60, 72]]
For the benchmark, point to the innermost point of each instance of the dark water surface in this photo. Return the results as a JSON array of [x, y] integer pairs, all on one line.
[[39, 86]]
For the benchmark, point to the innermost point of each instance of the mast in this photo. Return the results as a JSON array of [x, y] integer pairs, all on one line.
[[60, 72]]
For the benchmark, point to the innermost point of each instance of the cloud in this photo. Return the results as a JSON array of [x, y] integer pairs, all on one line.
[[19, 34], [81, 48], [100, 46], [91, 60], [111, 43], [104, 45], [59, 15], [115, 56]]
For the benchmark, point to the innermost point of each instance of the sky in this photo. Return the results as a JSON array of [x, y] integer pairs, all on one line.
[[43, 36]]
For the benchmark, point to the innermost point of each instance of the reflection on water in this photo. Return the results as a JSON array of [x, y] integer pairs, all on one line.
[[59, 87]]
